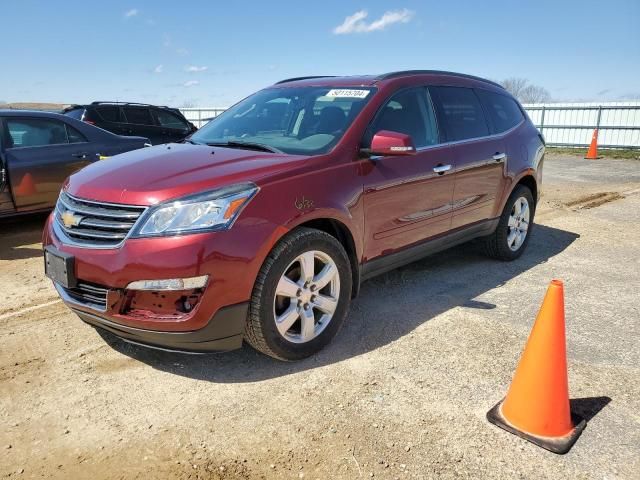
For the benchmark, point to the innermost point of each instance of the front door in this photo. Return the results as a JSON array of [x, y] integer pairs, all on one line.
[[407, 199], [41, 153], [141, 123], [174, 128]]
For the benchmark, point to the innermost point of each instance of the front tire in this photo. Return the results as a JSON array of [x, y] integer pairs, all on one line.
[[512, 234], [301, 296]]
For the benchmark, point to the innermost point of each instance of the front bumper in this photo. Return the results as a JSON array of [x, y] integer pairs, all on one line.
[[221, 334], [231, 259]]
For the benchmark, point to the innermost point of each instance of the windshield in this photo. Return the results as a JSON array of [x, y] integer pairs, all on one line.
[[303, 121]]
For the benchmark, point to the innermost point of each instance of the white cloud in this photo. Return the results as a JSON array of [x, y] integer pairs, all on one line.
[[131, 13], [158, 69], [356, 23], [195, 69], [191, 83]]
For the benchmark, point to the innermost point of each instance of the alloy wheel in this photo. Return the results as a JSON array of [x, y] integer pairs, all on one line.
[[306, 296], [518, 224]]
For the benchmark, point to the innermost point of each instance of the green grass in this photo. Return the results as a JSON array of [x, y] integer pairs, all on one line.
[[605, 153]]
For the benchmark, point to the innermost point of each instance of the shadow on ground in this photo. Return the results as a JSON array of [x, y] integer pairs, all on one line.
[[426, 289], [588, 407], [19, 232]]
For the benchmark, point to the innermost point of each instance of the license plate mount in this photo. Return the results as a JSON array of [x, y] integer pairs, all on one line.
[[60, 267]]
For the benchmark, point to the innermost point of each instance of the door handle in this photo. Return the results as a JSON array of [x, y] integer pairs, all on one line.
[[440, 169], [499, 156], [82, 155]]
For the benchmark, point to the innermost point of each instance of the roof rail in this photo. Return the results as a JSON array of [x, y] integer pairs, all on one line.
[[404, 73], [130, 103], [295, 79]]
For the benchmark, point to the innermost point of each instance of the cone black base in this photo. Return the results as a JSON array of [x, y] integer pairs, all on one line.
[[559, 445]]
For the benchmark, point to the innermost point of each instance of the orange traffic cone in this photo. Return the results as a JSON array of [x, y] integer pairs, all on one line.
[[26, 187], [536, 407], [592, 153]]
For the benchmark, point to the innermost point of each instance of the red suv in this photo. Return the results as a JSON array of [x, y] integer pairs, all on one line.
[[262, 225]]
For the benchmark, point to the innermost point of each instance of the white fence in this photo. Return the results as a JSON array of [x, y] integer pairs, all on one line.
[[562, 124], [572, 124]]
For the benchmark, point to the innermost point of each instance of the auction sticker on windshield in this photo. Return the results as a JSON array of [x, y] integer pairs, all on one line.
[[348, 93]]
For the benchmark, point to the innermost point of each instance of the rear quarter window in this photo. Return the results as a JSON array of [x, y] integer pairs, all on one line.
[[502, 110], [460, 113]]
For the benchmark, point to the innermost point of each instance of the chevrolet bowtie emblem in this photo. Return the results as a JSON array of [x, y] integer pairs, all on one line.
[[70, 219]]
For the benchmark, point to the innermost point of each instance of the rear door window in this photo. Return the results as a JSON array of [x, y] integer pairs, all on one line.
[[503, 111], [36, 132], [110, 113], [460, 113], [138, 115]]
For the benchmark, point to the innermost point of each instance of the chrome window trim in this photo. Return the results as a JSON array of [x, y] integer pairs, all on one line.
[[494, 136]]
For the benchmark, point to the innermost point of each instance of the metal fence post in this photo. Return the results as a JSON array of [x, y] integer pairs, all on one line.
[[542, 121]]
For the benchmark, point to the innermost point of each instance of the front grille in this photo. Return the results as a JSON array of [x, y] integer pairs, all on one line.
[[95, 224], [88, 294]]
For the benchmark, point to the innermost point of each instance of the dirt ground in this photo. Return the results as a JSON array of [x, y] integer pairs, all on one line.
[[402, 392]]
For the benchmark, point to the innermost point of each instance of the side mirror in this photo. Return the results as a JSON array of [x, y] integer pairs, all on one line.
[[387, 143]]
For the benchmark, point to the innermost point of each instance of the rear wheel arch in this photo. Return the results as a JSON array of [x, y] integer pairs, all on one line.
[[529, 181]]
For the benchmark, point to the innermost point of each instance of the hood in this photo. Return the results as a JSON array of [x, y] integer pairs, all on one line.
[[152, 175]]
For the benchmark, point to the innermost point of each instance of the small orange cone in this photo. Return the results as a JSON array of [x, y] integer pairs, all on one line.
[[592, 153], [536, 407], [26, 187]]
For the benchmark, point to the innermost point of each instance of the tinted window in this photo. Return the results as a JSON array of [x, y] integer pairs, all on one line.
[[502, 110], [460, 113], [74, 135], [110, 114], [36, 132], [139, 116], [408, 112], [170, 120]]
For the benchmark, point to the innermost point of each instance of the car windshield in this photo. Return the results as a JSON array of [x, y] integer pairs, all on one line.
[[303, 121]]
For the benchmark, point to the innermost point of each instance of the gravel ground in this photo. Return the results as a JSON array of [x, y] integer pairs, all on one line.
[[401, 393]]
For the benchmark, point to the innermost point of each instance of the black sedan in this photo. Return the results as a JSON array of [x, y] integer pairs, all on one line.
[[39, 150]]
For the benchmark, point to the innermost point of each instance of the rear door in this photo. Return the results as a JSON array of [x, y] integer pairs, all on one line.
[[41, 154], [140, 122], [174, 128], [480, 156]]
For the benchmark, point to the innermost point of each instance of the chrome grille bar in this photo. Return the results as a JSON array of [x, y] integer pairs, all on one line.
[[94, 224]]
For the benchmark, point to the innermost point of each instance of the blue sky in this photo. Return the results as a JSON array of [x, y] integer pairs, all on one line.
[[212, 53]]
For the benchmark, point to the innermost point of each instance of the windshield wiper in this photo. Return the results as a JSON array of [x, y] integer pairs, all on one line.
[[188, 140], [248, 145]]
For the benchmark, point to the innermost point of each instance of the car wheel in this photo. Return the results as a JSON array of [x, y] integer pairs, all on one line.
[[514, 227], [301, 296]]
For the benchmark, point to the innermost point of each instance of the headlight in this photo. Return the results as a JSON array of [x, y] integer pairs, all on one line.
[[215, 210]]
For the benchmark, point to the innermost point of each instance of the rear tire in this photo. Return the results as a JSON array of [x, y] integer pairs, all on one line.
[[512, 234], [301, 296]]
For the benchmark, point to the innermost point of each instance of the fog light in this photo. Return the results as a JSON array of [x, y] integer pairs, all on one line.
[[170, 284]]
